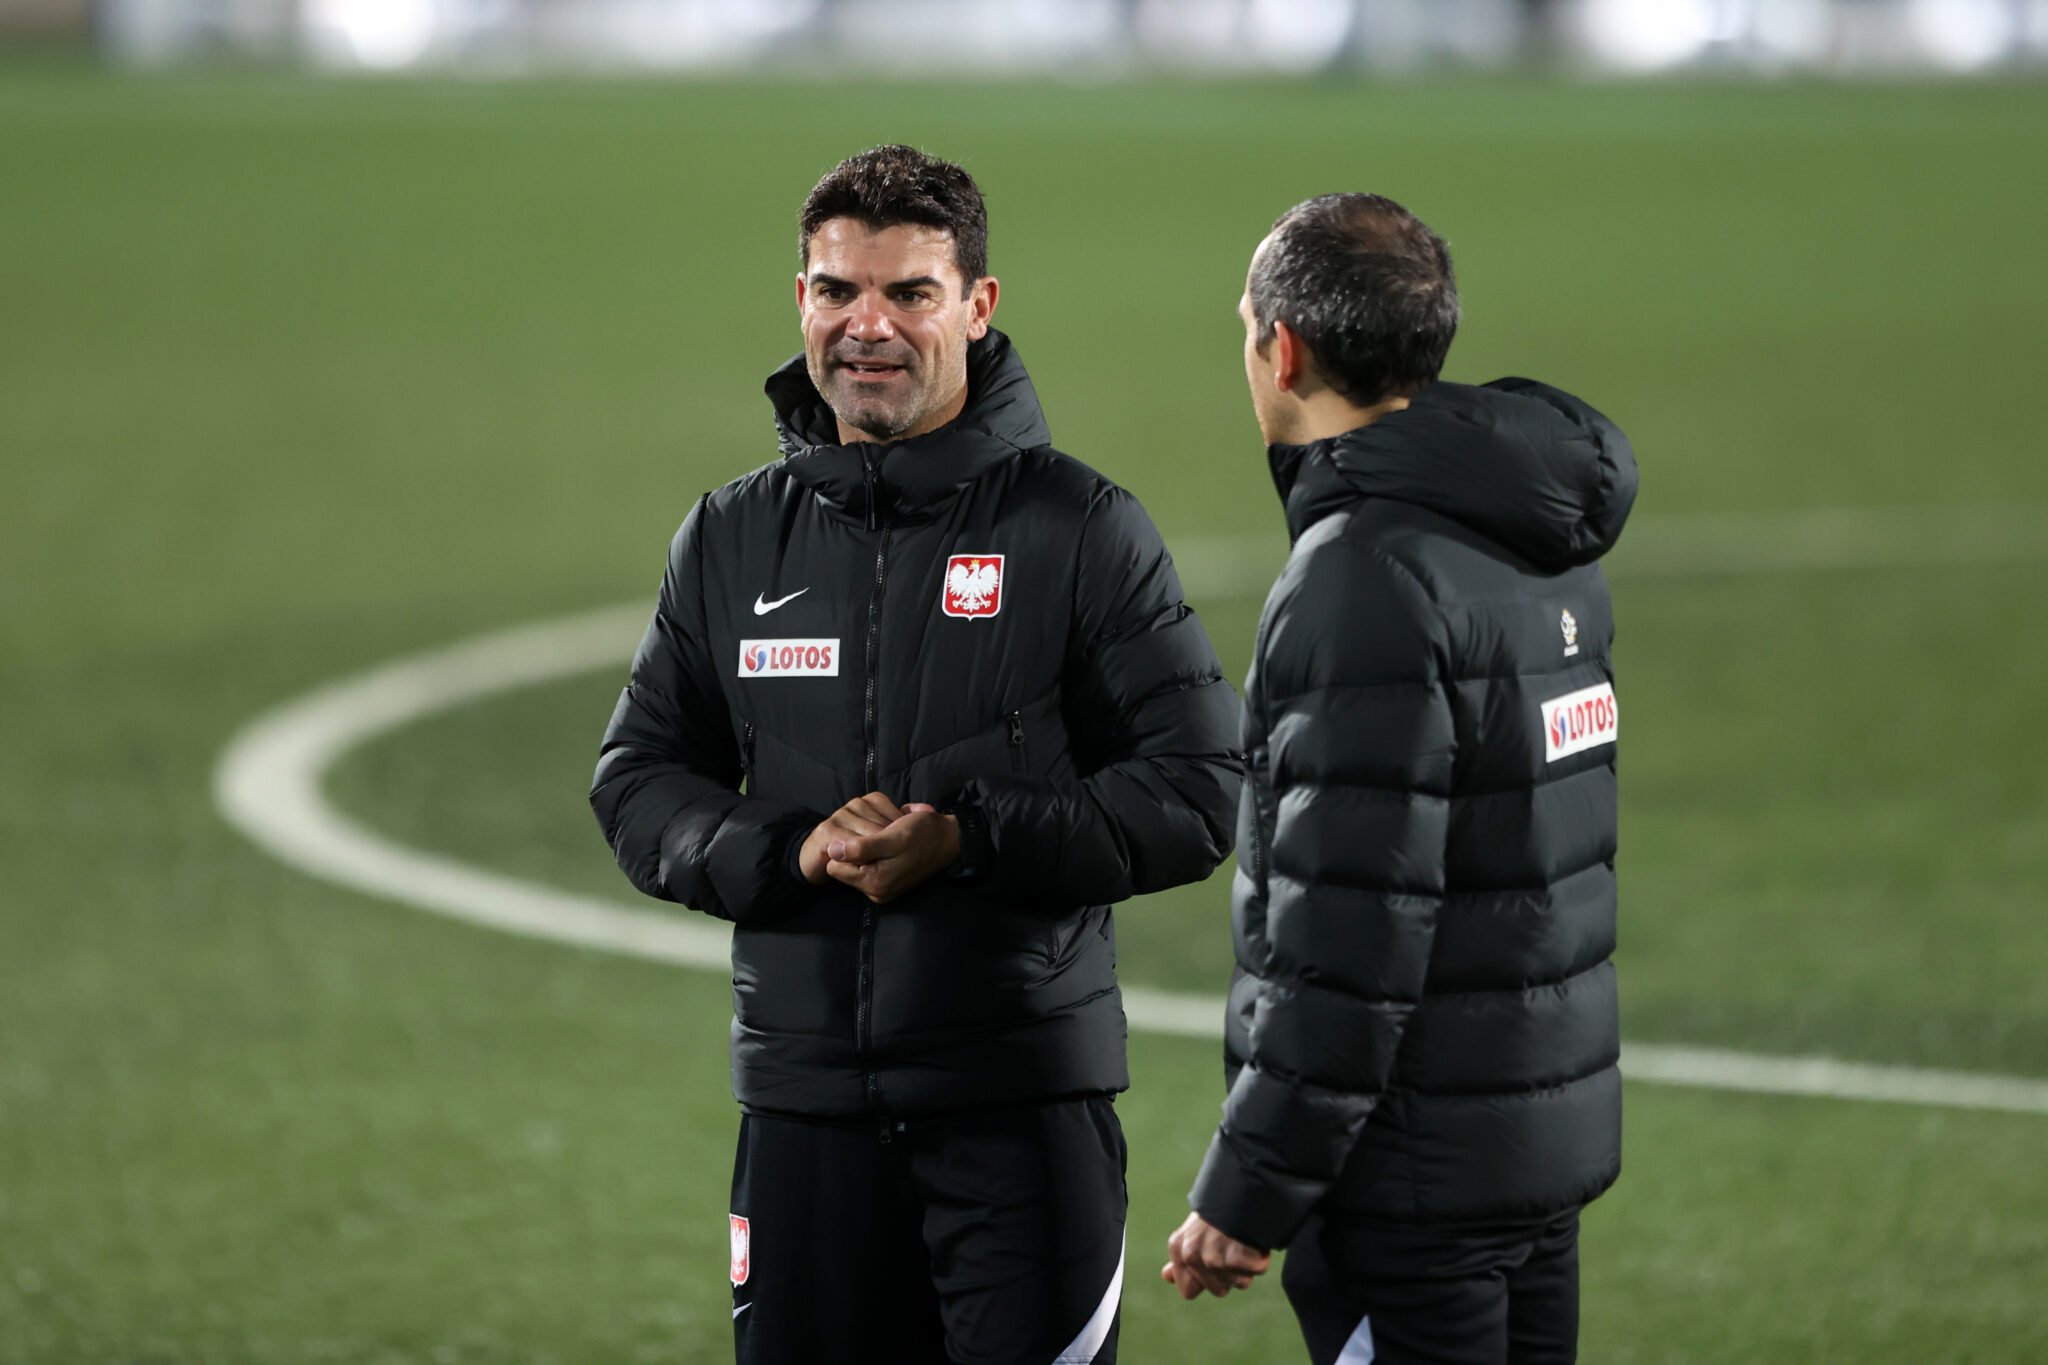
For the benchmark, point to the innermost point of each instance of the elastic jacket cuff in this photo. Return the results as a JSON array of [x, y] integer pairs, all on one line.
[[1238, 1202], [792, 858]]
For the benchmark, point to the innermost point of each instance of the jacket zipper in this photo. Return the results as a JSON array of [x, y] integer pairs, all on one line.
[[747, 756], [863, 995], [1017, 764]]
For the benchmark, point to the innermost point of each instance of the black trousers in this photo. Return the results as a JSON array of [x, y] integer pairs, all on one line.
[[1504, 1295], [993, 1237]]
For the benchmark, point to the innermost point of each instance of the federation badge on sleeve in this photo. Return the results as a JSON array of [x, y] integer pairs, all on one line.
[[974, 586], [742, 1250]]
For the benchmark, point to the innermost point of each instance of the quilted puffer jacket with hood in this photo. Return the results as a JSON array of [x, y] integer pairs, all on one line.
[[1422, 1023], [813, 642]]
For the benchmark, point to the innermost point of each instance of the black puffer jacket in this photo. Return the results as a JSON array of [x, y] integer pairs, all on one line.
[[1422, 1023], [803, 640]]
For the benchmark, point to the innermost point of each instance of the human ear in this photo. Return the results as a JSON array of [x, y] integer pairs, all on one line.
[[981, 306], [1290, 355]]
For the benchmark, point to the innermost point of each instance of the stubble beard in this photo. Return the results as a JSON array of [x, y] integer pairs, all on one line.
[[1277, 425], [877, 418], [873, 416]]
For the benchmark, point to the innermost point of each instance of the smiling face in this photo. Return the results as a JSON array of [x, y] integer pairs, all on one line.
[[886, 327]]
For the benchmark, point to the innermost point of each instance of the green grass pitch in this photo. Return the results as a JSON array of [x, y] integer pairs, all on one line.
[[295, 377]]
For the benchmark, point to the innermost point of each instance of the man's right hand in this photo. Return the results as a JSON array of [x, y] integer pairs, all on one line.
[[858, 818], [1202, 1256]]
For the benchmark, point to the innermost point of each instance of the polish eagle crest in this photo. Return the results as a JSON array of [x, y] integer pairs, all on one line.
[[974, 585]]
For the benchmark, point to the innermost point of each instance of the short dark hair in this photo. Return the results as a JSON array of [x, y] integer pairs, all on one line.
[[1367, 285], [887, 186]]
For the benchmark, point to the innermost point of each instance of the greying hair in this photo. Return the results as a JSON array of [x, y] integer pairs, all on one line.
[[1367, 285]]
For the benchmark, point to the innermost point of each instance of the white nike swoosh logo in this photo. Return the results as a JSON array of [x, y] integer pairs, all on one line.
[[741, 1309], [763, 608]]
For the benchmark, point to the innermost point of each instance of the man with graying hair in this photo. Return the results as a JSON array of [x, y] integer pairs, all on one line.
[[1422, 1035]]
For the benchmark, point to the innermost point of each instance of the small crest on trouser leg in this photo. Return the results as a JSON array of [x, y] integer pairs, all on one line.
[[742, 1249]]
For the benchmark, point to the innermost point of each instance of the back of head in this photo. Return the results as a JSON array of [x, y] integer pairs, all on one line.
[[1367, 286], [884, 187]]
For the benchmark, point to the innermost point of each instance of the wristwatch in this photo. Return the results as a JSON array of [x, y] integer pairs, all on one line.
[[977, 853]]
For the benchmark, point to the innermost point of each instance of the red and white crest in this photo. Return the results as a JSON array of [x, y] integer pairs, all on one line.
[[974, 585], [742, 1249]]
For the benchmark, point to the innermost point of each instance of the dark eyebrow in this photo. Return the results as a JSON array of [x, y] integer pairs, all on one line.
[[820, 280]]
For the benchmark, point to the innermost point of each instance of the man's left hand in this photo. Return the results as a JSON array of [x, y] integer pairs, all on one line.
[[905, 854], [1202, 1256]]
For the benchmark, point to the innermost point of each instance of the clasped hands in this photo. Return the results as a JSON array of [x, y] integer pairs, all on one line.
[[880, 849]]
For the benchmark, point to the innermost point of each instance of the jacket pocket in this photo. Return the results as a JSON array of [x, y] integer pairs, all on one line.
[[1070, 935], [1058, 935], [1251, 831], [1019, 763]]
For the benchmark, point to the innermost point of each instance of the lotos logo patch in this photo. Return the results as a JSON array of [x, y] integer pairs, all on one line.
[[974, 586], [789, 658], [742, 1249], [1578, 721]]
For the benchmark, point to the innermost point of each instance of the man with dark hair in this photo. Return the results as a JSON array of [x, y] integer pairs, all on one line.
[[985, 716], [1422, 1034]]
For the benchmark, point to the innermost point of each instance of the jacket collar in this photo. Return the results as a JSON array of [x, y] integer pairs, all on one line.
[[1528, 466], [909, 480]]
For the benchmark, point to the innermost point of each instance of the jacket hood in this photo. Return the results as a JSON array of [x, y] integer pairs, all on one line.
[[873, 480], [1527, 466]]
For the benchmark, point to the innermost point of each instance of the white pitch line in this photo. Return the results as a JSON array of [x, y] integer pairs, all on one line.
[[1716, 1069], [269, 785], [1818, 539]]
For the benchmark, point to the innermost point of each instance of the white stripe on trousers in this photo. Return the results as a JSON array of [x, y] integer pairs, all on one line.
[[1358, 1349], [1081, 1350]]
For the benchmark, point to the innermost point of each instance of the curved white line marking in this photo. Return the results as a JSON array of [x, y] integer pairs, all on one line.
[[268, 785], [269, 781]]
